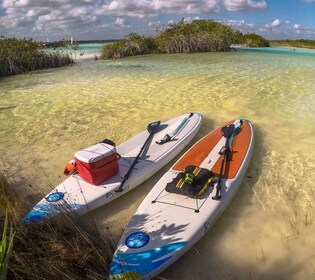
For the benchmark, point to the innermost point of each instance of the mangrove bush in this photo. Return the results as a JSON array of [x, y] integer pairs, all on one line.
[[25, 55], [134, 44], [184, 37], [253, 40], [197, 36]]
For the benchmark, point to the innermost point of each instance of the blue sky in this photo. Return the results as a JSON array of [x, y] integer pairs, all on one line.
[[113, 19]]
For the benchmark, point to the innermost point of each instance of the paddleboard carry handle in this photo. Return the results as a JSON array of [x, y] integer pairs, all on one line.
[[229, 133], [168, 138], [152, 128]]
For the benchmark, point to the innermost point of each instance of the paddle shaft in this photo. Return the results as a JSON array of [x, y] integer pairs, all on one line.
[[120, 189], [226, 149], [168, 138], [181, 125], [217, 195], [222, 163]]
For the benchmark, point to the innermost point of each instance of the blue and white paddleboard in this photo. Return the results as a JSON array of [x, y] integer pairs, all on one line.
[[76, 195], [166, 225]]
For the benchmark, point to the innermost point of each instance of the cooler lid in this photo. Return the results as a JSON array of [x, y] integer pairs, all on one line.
[[95, 152]]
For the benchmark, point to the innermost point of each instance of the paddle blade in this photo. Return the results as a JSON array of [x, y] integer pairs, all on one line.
[[227, 130], [153, 127]]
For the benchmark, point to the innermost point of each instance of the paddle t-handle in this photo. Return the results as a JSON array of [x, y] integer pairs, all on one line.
[[152, 128]]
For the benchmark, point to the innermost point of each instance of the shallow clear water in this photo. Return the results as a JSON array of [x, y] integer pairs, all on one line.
[[282, 50], [267, 232]]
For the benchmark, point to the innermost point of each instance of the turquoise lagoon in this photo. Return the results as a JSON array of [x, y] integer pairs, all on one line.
[[267, 232], [81, 51]]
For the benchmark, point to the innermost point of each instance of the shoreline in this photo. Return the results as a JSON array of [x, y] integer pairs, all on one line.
[[290, 47], [87, 56]]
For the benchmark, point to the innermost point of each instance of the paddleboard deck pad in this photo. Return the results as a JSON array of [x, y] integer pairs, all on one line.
[[166, 224], [79, 196]]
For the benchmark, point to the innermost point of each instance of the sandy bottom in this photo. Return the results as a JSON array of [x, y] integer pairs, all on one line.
[[88, 56], [267, 232]]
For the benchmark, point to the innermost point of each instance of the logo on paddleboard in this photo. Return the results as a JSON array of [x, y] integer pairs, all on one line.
[[54, 197], [137, 240]]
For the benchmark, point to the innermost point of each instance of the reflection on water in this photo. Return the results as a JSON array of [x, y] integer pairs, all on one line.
[[267, 231]]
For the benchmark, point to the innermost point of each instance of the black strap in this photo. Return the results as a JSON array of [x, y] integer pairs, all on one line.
[[165, 139], [107, 141]]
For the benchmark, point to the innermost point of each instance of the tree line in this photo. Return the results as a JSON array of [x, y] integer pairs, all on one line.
[[302, 43]]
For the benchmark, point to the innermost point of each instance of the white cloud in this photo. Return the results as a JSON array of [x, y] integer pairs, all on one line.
[[244, 5], [241, 25], [53, 16], [38, 17], [302, 30], [235, 22], [121, 8], [145, 9], [189, 19], [44, 3], [275, 23], [37, 12], [121, 22], [296, 26], [154, 23], [64, 18]]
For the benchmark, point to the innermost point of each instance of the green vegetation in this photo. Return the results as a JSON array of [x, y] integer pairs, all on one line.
[[25, 55], [309, 44], [65, 248], [6, 246], [134, 44], [197, 36], [253, 40]]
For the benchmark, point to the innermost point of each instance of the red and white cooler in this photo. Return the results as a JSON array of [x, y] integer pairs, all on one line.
[[97, 163]]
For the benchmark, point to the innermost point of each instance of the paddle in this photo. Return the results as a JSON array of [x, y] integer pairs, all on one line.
[[152, 128], [168, 138], [226, 131]]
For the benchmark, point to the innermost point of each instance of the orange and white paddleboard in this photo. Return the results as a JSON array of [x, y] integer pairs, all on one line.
[[168, 224]]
